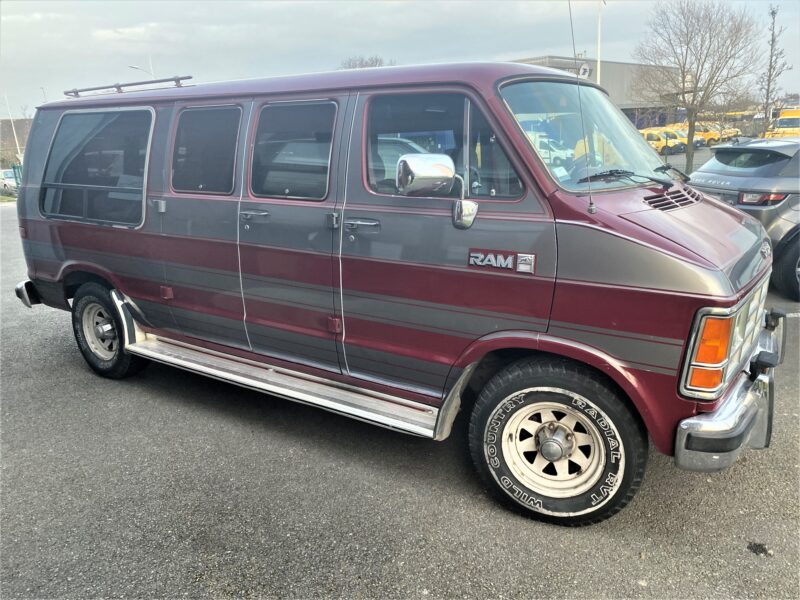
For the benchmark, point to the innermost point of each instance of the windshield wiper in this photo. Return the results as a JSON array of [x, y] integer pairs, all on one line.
[[623, 174], [668, 167]]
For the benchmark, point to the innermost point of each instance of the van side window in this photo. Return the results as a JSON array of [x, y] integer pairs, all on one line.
[[292, 151], [490, 173], [96, 166], [435, 123], [205, 150]]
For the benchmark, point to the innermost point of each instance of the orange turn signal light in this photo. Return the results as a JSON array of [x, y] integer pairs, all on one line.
[[715, 339], [705, 379]]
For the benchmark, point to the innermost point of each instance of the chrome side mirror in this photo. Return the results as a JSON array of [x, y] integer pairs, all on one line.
[[421, 174], [434, 174]]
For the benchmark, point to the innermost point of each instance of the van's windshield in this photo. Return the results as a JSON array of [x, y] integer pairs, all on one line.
[[606, 141]]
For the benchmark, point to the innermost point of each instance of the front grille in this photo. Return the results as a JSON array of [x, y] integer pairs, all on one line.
[[674, 199], [748, 324]]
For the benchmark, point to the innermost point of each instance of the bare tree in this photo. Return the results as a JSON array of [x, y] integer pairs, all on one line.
[[697, 50], [776, 66], [365, 62], [730, 99]]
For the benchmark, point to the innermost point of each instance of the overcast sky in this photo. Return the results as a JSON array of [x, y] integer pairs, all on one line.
[[47, 47]]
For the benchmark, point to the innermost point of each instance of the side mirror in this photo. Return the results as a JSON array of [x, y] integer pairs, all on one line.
[[421, 174], [434, 174]]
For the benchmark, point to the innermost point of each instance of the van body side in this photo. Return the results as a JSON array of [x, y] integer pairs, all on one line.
[[276, 246]]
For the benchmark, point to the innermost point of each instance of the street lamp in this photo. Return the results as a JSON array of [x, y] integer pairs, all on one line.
[[599, 28], [142, 70], [150, 71]]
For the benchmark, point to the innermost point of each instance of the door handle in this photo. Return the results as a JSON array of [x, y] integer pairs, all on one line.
[[366, 225], [254, 216]]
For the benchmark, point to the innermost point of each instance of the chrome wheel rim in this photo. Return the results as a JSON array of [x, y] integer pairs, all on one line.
[[553, 449], [99, 331]]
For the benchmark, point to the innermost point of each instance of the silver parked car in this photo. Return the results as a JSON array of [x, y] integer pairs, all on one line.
[[9, 181], [762, 178]]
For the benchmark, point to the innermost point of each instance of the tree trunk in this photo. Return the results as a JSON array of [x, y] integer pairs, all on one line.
[[691, 117]]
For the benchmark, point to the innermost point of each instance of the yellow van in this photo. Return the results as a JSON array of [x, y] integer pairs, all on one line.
[[787, 125], [661, 142], [682, 130], [709, 134]]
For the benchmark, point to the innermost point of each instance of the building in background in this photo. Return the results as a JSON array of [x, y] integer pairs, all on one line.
[[619, 80]]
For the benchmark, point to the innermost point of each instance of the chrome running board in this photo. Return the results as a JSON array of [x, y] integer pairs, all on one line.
[[373, 407]]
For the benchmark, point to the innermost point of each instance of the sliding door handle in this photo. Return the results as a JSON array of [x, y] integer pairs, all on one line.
[[254, 216], [362, 225]]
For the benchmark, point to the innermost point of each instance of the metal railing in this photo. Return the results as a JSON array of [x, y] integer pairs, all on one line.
[[119, 87]]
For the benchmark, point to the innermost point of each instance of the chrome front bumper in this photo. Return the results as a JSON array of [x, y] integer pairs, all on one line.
[[713, 441]]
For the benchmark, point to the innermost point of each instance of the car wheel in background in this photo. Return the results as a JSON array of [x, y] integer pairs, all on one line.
[[786, 271]]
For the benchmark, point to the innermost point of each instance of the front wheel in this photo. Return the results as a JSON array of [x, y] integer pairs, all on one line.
[[555, 441], [98, 332]]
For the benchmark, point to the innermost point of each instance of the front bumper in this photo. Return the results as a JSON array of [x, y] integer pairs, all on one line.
[[713, 441]]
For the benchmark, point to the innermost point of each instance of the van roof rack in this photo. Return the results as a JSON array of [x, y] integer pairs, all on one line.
[[118, 87]]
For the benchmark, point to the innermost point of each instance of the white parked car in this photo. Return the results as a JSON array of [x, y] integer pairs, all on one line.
[[552, 151]]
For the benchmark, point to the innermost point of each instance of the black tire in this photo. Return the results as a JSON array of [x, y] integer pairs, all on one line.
[[616, 461], [785, 269], [118, 363], [665, 150]]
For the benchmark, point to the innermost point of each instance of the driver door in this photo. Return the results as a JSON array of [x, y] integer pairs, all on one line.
[[411, 298]]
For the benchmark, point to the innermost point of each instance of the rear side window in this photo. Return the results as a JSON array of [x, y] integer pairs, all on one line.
[[96, 167], [437, 123], [292, 151], [205, 150], [741, 161]]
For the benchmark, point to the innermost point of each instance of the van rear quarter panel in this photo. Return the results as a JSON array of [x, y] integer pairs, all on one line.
[[55, 247]]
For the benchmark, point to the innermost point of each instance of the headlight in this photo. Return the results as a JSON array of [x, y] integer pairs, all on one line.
[[721, 344], [710, 356]]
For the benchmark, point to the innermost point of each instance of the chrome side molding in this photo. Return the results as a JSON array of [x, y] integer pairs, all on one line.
[[379, 409], [384, 410]]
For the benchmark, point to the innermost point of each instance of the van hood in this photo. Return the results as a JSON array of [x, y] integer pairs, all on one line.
[[717, 233]]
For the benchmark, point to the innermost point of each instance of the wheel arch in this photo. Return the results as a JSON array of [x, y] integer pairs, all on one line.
[[786, 241], [488, 355], [74, 275]]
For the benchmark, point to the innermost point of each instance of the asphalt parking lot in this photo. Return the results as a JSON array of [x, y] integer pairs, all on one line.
[[172, 485], [701, 155]]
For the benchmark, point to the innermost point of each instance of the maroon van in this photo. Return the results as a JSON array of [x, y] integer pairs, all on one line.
[[397, 244]]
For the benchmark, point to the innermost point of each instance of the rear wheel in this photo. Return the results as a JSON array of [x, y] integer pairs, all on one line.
[[98, 332], [555, 441]]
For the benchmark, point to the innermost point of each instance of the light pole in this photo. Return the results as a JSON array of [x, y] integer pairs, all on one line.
[[142, 70], [13, 129], [150, 72], [599, 30]]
